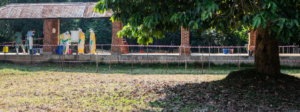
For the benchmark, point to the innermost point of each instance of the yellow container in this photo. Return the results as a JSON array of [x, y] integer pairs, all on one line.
[[5, 49]]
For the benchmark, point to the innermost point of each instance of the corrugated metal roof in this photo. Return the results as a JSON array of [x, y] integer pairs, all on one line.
[[77, 10]]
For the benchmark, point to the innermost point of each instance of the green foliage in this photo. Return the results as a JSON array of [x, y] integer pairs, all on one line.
[[151, 17]]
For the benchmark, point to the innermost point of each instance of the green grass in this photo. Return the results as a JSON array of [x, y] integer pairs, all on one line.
[[156, 68]]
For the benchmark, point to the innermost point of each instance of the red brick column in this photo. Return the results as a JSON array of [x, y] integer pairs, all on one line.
[[185, 41], [116, 27], [252, 40], [51, 38]]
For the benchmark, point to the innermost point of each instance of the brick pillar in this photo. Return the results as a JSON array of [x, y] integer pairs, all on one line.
[[252, 40], [116, 27], [50, 38], [185, 41]]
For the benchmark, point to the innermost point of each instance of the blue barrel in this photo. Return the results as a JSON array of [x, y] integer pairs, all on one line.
[[34, 51], [60, 49], [229, 51], [225, 51]]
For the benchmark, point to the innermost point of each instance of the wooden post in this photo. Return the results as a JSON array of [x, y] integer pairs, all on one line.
[[131, 62], [110, 60], [293, 50], [202, 62], [31, 59], [118, 59], [77, 52], [120, 54], [27, 65], [166, 62], [238, 59], [209, 57], [102, 49], [180, 56], [97, 61], [119, 50], [142, 58], [90, 58], [185, 59], [147, 58], [102, 53], [199, 57], [199, 51], [62, 62], [5, 57]]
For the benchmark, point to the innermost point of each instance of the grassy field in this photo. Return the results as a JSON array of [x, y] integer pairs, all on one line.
[[45, 87], [156, 68]]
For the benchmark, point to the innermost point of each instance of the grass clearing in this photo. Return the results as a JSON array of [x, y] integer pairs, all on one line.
[[138, 69], [45, 88]]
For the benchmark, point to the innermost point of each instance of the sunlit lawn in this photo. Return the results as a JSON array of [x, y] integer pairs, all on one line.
[[76, 90], [45, 87]]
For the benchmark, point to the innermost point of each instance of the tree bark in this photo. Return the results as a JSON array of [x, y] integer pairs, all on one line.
[[266, 52]]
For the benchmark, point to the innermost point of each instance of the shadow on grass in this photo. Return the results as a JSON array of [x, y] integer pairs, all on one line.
[[245, 90]]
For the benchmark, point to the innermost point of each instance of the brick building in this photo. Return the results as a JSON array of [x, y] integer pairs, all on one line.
[[52, 12]]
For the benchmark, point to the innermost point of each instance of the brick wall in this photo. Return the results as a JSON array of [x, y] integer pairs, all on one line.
[[116, 27], [252, 40], [185, 41], [51, 38]]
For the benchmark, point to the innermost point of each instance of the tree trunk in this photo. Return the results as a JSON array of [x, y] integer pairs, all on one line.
[[266, 52]]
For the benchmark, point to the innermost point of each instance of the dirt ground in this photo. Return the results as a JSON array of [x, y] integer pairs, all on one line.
[[51, 90], [62, 91]]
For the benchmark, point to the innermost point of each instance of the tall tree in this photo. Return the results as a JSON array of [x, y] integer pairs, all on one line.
[[273, 20]]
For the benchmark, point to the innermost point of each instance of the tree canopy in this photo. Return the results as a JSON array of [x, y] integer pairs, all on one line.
[[150, 18], [272, 19]]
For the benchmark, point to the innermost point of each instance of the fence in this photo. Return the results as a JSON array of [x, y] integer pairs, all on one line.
[[162, 48], [166, 60]]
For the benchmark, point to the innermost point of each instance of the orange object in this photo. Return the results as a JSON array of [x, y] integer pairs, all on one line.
[[231, 51], [125, 48], [141, 51]]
